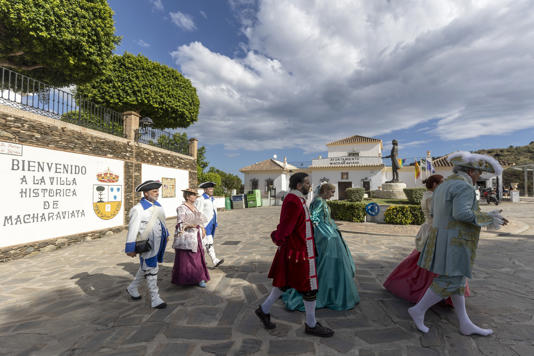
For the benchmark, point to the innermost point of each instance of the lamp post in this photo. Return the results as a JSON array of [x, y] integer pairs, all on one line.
[[144, 124]]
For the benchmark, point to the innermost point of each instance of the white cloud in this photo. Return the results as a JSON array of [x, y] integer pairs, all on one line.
[[318, 70], [203, 14], [157, 4], [143, 43], [184, 21]]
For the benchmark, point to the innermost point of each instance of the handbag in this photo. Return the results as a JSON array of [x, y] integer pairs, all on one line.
[[142, 244]]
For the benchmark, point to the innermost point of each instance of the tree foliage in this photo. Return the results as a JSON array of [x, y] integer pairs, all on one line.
[[152, 89], [57, 41], [228, 181]]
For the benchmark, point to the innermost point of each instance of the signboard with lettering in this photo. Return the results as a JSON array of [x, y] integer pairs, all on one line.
[[346, 160], [48, 194]]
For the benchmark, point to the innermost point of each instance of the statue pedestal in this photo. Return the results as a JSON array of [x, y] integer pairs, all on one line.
[[390, 191]]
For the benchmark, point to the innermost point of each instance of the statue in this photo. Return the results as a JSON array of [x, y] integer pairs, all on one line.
[[394, 162]]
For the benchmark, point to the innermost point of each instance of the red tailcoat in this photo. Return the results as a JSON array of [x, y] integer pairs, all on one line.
[[294, 262]]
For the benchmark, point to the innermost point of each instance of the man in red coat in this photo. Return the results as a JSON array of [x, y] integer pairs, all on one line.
[[294, 262]]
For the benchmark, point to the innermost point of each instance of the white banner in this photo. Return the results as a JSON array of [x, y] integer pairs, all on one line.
[[48, 193], [173, 180]]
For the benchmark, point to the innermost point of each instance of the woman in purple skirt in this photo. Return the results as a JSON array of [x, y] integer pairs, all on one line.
[[189, 263]]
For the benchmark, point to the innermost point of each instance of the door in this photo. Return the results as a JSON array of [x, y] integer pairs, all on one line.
[[341, 187], [367, 186]]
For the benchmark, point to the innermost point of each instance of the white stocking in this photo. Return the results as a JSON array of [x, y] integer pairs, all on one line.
[[310, 313], [417, 312], [466, 325], [133, 288], [271, 299]]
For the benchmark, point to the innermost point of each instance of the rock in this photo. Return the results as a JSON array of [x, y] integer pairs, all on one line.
[[29, 250], [61, 241], [49, 248], [109, 233]]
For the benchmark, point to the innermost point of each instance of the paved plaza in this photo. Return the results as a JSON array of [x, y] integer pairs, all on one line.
[[72, 301]]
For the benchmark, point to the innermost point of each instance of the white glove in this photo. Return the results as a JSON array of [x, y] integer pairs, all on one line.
[[498, 220]]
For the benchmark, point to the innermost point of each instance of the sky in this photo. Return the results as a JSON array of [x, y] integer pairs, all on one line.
[[286, 77]]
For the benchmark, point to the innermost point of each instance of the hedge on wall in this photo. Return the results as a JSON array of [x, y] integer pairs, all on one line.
[[404, 215], [355, 194], [347, 211], [414, 195]]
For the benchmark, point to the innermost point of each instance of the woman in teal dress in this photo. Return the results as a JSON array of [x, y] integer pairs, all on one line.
[[335, 266]]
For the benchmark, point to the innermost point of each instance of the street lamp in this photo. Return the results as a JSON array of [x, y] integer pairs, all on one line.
[[144, 124]]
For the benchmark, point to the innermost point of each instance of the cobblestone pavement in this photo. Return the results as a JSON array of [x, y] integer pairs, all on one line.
[[72, 301]]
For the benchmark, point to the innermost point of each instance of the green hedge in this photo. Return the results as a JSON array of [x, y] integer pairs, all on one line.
[[347, 211], [414, 195], [404, 215], [355, 194]]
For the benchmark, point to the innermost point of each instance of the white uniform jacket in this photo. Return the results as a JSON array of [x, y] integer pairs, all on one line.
[[140, 215], [206, 205]]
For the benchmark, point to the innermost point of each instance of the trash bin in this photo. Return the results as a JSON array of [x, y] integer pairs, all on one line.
[[238, 201], [227, 203], [254, 199]]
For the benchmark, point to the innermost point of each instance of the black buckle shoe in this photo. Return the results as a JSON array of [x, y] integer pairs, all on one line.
[[221, 261], [265, 318], [161, 306], [319, 330]]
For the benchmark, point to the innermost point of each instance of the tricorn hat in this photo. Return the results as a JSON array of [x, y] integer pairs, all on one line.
[[148, 185], [207, 185], [475, 161], [190, 190]]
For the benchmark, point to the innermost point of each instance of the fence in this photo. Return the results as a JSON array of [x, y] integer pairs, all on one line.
[[28, 94], [175, 142]]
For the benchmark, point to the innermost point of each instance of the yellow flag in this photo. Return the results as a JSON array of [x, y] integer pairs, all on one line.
[[417, 170]]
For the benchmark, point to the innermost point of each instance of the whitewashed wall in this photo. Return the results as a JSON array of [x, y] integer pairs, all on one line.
[[355, 176], [49, 193], [365, 149], [182, 182], [281, 181]]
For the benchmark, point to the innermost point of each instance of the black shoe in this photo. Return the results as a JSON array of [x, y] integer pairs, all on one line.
[[131, 296], [265, 318], [319, 330], [221, 261], [161, 306]]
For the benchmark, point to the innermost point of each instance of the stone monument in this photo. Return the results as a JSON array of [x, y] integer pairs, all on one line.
[[392, 189]]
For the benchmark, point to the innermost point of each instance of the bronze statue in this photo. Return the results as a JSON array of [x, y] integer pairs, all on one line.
[[394, 162]]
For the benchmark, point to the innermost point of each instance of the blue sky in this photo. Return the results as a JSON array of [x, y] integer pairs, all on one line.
[[286, 77]]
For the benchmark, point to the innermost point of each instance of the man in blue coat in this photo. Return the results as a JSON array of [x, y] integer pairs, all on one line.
[[206, 205], [452, 242]]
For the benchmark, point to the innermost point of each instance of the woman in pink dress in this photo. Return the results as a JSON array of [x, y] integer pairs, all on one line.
[[408, 280], [189, 263]]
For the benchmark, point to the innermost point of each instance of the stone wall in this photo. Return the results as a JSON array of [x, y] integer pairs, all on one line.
[[23, 127]]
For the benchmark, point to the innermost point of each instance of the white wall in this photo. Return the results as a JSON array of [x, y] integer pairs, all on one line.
[[365, 150], [181, 176], [355, 176], [280, 181], [49, 193]]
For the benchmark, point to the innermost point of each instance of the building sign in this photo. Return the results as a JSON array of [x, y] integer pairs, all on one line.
[[168, 187], [346, 160], [48, 194]]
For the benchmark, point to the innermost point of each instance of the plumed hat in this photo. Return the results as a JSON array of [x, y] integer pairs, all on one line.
[[148, 185], [207, 185], [475, 161]]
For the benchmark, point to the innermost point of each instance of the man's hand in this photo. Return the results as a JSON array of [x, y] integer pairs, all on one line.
[[505, 221], [131, 254]]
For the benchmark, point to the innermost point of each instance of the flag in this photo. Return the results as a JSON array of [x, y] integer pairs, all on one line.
[[402, 162], [417, 170]]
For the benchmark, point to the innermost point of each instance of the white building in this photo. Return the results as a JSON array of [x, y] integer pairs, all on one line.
[[352, 162], [268, 174]]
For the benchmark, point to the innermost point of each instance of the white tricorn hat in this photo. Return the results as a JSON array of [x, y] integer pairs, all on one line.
[[475, 161]]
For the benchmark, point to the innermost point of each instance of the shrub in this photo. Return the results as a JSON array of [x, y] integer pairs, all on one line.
[[347, 211], [355, 194], [414, 195], [404, 215]]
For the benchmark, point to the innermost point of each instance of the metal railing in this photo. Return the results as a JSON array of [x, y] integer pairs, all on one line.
[[164, 139], [20, 91]]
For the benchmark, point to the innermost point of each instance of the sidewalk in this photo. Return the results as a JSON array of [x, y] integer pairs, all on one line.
[[72, 301]]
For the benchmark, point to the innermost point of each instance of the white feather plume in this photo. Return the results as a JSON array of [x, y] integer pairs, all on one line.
[[473, 157]]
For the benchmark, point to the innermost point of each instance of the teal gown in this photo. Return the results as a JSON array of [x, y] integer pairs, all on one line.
[[335, 266]]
